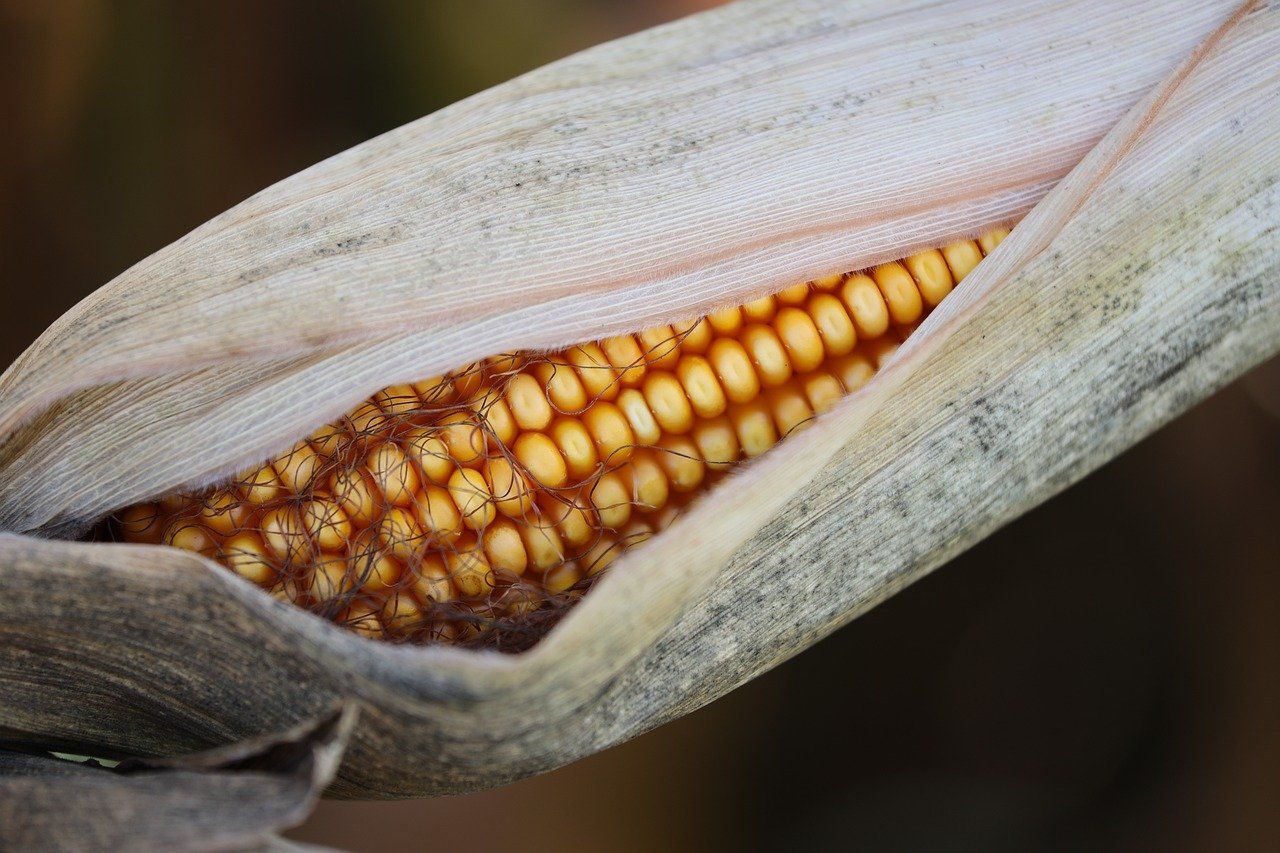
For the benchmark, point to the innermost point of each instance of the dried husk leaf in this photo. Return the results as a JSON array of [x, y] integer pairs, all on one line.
[[233, 798], [1145, 280]]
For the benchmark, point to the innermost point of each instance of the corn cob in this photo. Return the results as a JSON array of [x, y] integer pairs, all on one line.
[[470, 507]]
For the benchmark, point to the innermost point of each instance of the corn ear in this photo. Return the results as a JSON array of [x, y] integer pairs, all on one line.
[[1133, 288], [477, 506]]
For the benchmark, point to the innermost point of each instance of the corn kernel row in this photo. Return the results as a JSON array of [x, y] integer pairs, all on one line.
[[455, 507]]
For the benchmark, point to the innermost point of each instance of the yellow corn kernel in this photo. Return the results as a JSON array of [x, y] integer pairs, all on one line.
[[543, 545], [822, 390], [368, 419], [223, 512], [796, 294], [574, 519], [463, 437], [593, 368], [397, 400], [400, 613], [362, 618], [726, 321], [437, 515], [929, 269], [504, 547], [768, 356], [561, 387], [853, 371], [701, 387], [988, 242], [245, 554], [431, 583], [644, 427], [469, 380], [899, 291], [679, 459], [298, 467], [661, 347], [649, 485], [624, 354], [866, 306], [329, 439], [799, 335], [496, 420], [512, 494], [259, 485], [328, 579], [760, 310], [574, 441], [833, 323], [520, 598], [542, 460], [528, 402], [429, 452], [470, 572], [401, 534], [961, 257], [470, 494], [694, 336], [605, 550], [372, 566], [284, 535], [436, 391], [667, 402], [732, 366], [753, 424], [504, 363], [562, 578], [610, 431], [611, 499], [717, 442], [351, 488], [142, 523], [326, 523], [790, 408], [393, 474]]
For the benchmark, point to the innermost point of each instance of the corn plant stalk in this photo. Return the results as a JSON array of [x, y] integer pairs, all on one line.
[[1138, 285]]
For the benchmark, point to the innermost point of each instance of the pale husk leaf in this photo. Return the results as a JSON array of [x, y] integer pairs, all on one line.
[[1144, 281], [717, 158]]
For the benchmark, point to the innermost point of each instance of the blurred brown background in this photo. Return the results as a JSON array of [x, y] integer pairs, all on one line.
[[1104, 674]]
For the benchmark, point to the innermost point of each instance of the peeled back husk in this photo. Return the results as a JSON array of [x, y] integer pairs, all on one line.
[[646, 180]]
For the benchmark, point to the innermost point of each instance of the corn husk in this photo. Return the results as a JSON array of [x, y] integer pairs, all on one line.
[[649, 179], [236, 797]]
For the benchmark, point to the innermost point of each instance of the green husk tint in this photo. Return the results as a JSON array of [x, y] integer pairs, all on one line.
[[797, 144]]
